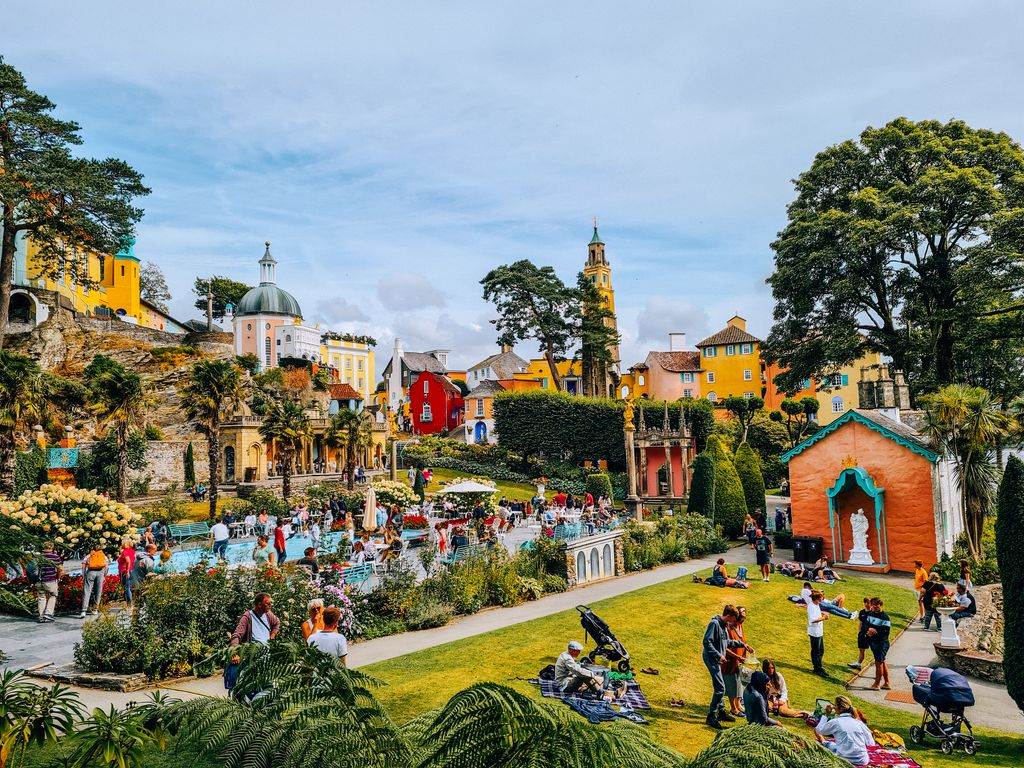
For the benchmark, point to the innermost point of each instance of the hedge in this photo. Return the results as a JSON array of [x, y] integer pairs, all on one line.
[[598, 485], [730, 503], [29, 469], [748, 467], [701, 500], [1009, 544], [557, 424]]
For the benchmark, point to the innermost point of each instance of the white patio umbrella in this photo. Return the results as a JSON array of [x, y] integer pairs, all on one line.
[[469, 486], [370, 511]]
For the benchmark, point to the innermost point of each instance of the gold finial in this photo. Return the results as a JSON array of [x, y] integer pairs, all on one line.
[[849, 462]]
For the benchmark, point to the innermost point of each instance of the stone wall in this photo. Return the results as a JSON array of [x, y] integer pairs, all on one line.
[[982, 639], [165, 463]]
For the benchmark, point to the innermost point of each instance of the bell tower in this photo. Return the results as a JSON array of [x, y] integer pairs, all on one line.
[[600, 379], [599, 271]]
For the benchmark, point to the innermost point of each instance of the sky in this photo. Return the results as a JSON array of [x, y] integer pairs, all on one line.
[[393, 153]]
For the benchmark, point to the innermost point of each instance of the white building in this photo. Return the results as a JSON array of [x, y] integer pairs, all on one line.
[[298, 341]]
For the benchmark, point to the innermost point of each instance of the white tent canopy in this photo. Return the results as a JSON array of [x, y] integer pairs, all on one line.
[[469, 486], [370, 511]]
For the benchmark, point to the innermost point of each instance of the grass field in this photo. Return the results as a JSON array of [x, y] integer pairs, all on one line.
[[511, 491], [662, 626]]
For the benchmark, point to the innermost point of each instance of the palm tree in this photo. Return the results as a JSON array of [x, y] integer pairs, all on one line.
[[492, 725], [31, 715], [351, 431], [311, 713], [118, 397], [286, 424], [113, 739], [965, 423], [214, 387], [21, 398]]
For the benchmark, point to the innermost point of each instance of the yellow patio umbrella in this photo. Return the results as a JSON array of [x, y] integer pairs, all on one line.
[[370, 511]]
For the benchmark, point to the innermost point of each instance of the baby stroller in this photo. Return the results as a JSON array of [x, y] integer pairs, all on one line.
[[608, 644], [945, 692]]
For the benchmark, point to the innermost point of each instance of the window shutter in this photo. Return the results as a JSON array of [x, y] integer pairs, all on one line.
[[846, 379]]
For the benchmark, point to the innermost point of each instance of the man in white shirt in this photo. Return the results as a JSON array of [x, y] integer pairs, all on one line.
[[220, 534], [816, 632], [571, 676], [850, 737], [328, 639], [250, 524]]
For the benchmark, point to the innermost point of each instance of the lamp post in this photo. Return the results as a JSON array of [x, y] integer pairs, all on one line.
[[632, 500], [393, 434]]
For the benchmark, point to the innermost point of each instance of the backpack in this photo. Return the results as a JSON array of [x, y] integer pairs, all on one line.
[[32, 572], [96, 560], [548, 673]]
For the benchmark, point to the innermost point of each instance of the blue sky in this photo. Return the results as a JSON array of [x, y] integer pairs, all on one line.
[[394, 152]]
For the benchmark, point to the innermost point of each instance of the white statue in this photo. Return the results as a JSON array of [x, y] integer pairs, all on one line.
[[860, 554]]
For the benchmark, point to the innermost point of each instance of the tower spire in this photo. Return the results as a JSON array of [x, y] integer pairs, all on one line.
[[267, 264]]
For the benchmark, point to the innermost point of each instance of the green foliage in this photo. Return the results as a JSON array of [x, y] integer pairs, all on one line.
[[67, 394], [321, 380], [701, 500], [598, 485], [190, 466], [97, 468], [264, 500], [1009, 540], [349, 337], [21, 400], [31, 715], [174, 354], [748, 467], [111, 739], [730, 503], [783, 539], [248, 362], [119, 399], [744, 409], [225, 291], [126, 644], [29, 469], [768, 438], [702, 422], [754, 746], [671, 539]]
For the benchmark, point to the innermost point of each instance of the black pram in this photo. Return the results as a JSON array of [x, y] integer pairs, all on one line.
[[608, 645], [946, 693]]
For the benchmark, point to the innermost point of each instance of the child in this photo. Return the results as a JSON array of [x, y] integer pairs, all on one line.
[[863, 642], [879, 626]]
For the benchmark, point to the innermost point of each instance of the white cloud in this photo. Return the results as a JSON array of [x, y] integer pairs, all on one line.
[[408, 292]]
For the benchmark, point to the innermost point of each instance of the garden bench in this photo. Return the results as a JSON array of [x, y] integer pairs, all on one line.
[[568, 531], [414, 537], [180, 532], [463, 553], [357, 574]]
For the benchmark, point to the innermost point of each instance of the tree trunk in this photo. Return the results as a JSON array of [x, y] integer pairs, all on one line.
[[556, 380], [8, 463], [120, 491], [350, 467], [6, 272], [286, 475], [214, 455]]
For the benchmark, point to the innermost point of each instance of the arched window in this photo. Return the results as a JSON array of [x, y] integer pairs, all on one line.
[[640, 380], [625, 391], [581, 567], [837, 405], [712, 397]]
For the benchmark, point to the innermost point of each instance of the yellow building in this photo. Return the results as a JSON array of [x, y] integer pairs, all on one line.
[[730, 361], [569, 372], [354, 361], [836, 393], [111, 286]]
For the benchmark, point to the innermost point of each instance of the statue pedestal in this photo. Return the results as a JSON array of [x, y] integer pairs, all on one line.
[[859, 556], [950, 637]]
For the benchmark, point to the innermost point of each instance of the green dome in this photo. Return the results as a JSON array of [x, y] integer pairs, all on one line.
[[268, 299]]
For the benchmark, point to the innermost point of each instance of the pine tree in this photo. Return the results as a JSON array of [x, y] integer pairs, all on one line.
[[190, 467], [748, 466], [730, 503], [701, 500], [1009, 544]]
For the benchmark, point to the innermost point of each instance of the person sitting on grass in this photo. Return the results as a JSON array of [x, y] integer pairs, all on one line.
[[720, 577], [778, 692], [573, 677], [755, 701], [835, 606], [843, 730]]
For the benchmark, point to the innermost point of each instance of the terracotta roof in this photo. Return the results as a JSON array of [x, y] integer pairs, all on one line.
[[729, 335], [676, 362], [344, 392], [486, 388], [504, 364]]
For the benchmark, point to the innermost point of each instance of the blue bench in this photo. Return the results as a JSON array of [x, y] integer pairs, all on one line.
[[180, 532], [568, 531], [415, 537], [357, 574], [463, 553]]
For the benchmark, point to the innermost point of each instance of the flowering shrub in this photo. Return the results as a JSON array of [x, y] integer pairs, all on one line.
[[70, 590], [415, 522], [75, 519], [464, 503], [394, 492]]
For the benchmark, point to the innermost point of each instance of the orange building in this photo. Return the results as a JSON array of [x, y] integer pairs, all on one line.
[[873, 460]]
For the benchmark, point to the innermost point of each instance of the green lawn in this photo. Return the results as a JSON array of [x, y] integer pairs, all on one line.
[[511, 491], [662, 626]]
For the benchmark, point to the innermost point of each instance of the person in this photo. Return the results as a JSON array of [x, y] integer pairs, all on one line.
[[836, 606], [764, 549], [967, 605], [780, 519], [734, 658], [750, 529], [144, 565], [879, 624], [778, 692], [392, 545], [716, 642], [761, 519], [573, 677], [309, 562], [263, 553], [720, 576], [280, 546], [257, 625], [329, 640], [165, 565], [262, 521], [370, 548], [755, 701], [220, 533], [50, 569], [249, 524], [863, 641], [920, 577], [125, 565], [965, 575], [94, 571], [850, 735], [315, 622], [314, 533], [381, 516], [459, 539], [816, 632], [933, 588]]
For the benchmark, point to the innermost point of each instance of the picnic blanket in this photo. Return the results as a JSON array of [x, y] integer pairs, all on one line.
[[601, 711], [633, 698], [881, 757]]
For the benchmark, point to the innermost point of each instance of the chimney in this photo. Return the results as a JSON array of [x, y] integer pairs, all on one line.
[[677, 341], [506, 348], [737, 322]]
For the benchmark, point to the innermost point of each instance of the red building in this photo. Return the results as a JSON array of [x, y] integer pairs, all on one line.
[[435, 404]]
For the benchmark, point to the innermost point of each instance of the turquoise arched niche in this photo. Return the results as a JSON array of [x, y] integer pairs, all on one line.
[[859, 477]]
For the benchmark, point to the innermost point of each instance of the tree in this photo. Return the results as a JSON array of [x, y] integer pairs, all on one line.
[[68, 206], [744, 409], [286, 424], [111, 739], [598, 485], [351, 432], [21, 398], [118, 398], [225, 291], [702, 422], [748, 467], [532, 303], [730, 503], [190, 466], [31, 715], [900, 243], [798, 418], [213, 389], [965, 423], [153, 286], [701, 499], [595, 327], [1009, 545], [248, 362]]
